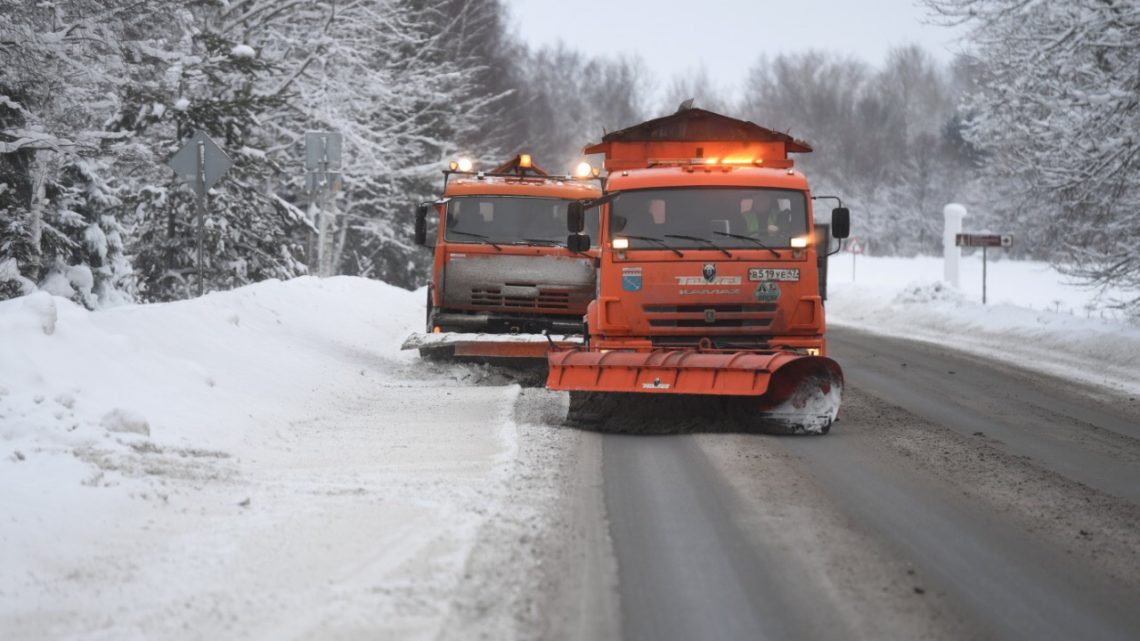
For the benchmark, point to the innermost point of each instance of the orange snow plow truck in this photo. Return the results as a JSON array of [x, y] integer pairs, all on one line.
[[709, 287], [503, 283]]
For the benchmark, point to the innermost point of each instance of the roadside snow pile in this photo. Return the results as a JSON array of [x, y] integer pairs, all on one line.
[[929, 293], [258, 463], [192, 369], [1034, 317]]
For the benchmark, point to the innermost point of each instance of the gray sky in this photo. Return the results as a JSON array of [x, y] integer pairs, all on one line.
[[674, 36]]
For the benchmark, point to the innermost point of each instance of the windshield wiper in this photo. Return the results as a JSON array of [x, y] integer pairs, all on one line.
[[658, 241], [702, 240], [748, 238], [543, 241], [486, 240]]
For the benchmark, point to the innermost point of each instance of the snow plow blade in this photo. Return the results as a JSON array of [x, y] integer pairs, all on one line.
[[664, 390], [487, 346]]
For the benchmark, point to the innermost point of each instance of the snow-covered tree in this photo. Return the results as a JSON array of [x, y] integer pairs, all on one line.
[[398, 79], [1058, 116], [200, 76], [57, 211], [572, 99], [884, 138]]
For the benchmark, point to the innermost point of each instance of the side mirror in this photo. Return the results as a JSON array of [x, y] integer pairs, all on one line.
[[840, 222], [421, 223], [578, 243], [575, 217]]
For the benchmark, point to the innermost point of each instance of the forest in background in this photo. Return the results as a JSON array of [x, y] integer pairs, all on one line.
[[1033, 131]]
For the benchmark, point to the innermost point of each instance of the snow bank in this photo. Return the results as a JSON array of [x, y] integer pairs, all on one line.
[[258, 463], [1035, 318], [192, 366]]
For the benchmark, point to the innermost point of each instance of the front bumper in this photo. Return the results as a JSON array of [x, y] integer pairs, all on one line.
[[500, 324]]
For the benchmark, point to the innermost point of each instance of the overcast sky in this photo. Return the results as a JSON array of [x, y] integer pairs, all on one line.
[[727, 36]]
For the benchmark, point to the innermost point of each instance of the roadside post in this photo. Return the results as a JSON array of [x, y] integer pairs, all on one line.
[[855, 246], [951, 254], [322, 167], [985, 241], [200, 163]]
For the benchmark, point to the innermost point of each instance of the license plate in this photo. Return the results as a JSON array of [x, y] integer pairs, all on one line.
[[765, 273]]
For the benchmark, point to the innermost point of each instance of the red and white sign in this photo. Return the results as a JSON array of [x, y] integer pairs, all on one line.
[[855, 245]]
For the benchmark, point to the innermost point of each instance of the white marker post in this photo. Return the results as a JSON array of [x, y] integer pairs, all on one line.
[[951, 253], [855, 246]]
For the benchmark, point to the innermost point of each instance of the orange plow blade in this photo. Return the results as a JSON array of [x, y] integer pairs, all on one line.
[[782, 392]]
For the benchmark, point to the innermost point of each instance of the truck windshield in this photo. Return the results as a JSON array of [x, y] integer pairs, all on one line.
[[511, 220], [729, 217]]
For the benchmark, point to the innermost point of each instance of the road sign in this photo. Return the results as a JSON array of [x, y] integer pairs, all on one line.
[[322, 150], [316, 181], [200, 162], [983, 240]]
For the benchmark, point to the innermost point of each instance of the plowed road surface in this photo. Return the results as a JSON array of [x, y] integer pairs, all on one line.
[[955, 498]]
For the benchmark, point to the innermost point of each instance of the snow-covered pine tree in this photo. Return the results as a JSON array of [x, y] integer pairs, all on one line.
[[214, 82], [56, 212]]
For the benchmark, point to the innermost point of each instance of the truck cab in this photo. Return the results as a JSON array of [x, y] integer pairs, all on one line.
[[714, 255], [709, 281], [501, 265]]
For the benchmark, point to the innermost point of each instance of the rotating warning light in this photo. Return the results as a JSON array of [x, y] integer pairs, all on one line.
[[524, 161], [583, 170]]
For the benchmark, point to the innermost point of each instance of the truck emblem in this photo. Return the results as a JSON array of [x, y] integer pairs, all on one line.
[[631, 279], [709, 272]]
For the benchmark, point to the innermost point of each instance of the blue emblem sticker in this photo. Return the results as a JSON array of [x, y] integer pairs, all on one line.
[[631, 279]]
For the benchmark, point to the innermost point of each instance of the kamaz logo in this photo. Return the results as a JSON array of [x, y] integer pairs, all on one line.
[[709, 272], [702, 280]]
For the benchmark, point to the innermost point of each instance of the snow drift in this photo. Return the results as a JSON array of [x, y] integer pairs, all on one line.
[[258, 463]]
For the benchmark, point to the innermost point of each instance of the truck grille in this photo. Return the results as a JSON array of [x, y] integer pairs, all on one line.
[[722, 316], [493, 297]]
